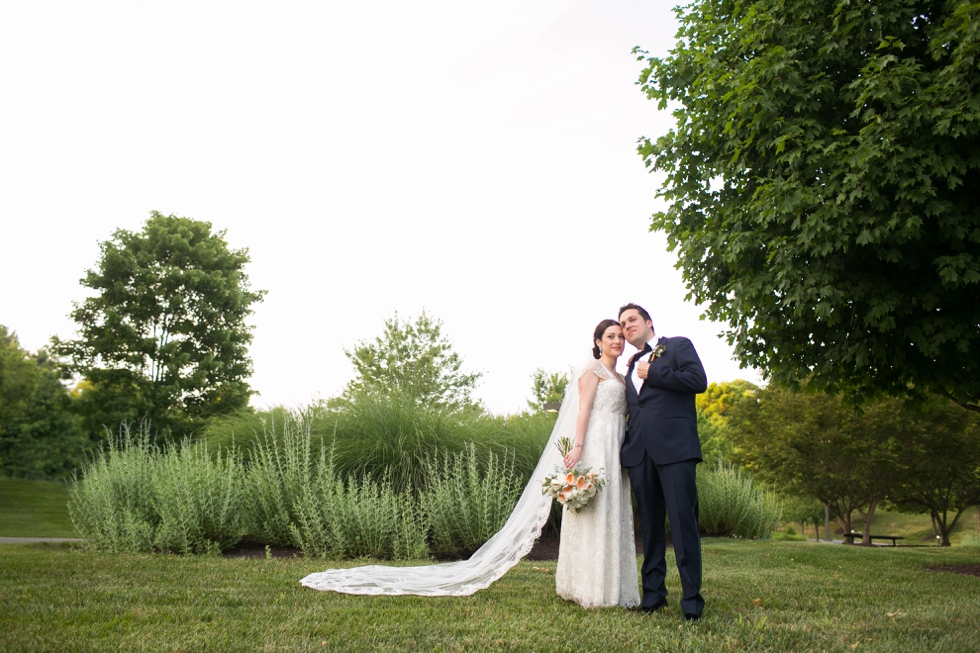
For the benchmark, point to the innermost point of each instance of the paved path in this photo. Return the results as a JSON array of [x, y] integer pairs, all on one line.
[[35, 540]]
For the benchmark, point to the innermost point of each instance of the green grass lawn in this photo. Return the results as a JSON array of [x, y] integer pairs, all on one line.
[[34, 509], [761, 596]]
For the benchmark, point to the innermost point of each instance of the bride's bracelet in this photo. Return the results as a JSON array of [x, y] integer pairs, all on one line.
[[579, 446]]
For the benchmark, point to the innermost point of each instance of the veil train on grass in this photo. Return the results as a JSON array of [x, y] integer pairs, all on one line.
[[488, 563]]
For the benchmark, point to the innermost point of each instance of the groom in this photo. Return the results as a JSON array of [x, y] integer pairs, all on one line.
[[661, 452]]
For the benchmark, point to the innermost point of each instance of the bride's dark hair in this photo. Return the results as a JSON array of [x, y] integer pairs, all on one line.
[[599, 331]]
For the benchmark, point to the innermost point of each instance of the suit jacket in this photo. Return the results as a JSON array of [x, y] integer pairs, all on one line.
[[662, 417]]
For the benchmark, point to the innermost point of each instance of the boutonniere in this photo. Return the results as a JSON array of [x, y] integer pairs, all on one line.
[[658, 350]]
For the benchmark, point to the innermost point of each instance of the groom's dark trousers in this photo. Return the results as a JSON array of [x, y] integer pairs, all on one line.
[[661, 452]]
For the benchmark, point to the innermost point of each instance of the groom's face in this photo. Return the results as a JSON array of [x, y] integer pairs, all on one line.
[[637, 330]]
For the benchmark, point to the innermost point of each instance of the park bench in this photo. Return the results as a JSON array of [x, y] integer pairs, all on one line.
[[850, 537]]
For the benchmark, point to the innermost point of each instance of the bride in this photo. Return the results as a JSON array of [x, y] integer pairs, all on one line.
[[596, 556]]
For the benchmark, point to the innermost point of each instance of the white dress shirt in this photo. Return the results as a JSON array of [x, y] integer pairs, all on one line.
[[637, 381]]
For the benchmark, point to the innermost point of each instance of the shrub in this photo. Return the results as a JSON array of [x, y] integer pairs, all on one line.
[[280, 471], [199, 500], [373, 436], [378, 437], [731, 506], [464, 504], [364, 480], [112, 503], [359, 519]]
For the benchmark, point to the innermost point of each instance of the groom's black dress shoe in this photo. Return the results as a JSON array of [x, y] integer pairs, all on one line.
[[692, 617], [656, 607]]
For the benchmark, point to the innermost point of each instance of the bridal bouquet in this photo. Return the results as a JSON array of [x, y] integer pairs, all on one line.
[[574, 487]]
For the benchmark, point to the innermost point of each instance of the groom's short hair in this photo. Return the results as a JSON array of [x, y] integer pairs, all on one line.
[[636, 307]]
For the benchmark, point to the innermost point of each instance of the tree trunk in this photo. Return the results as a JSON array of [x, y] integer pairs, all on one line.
[[847, 525], [866, 534], [945, 530], [935, 526]]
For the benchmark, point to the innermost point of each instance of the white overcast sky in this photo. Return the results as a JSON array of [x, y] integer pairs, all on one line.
[[476, 160]]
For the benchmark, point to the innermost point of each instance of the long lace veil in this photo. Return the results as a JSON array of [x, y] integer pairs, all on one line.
[[492, 560]]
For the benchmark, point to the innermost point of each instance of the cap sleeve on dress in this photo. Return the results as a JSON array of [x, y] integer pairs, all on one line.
[[596, 368]]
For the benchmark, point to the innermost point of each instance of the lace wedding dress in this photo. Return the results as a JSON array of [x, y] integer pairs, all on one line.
[[597, 556], [516, 538]]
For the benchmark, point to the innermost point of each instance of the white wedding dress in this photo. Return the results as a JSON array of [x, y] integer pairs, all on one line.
[[597, 555], [606, 546]]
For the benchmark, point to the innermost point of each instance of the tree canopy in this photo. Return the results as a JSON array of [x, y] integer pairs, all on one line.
[[943, 468], [822, 183], [813, 445], [40, 437], [714, 406], [165, 336], [415, 361], [547, 388]]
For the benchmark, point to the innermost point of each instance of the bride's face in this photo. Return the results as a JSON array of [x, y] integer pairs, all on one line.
[[612, 342]]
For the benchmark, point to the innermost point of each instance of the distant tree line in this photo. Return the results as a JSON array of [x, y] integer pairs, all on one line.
[[921, 458]]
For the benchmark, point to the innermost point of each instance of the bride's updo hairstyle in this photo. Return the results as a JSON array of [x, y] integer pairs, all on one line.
[[599, 332]]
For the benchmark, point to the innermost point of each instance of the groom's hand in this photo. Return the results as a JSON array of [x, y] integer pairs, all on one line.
[[642, 369]]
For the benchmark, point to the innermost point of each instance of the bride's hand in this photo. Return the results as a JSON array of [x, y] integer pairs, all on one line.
[[573, 457]]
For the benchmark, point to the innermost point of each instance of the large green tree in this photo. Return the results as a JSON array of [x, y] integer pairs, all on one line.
[[823, 186], [414, 360], [165, 336], [40, 437]]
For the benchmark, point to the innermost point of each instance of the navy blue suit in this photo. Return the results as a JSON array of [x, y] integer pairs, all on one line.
[[661, 452]]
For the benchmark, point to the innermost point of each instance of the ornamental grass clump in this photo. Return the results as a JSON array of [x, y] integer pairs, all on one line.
[[377, 437], [465, 502], [111, 503], [730, 505]]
